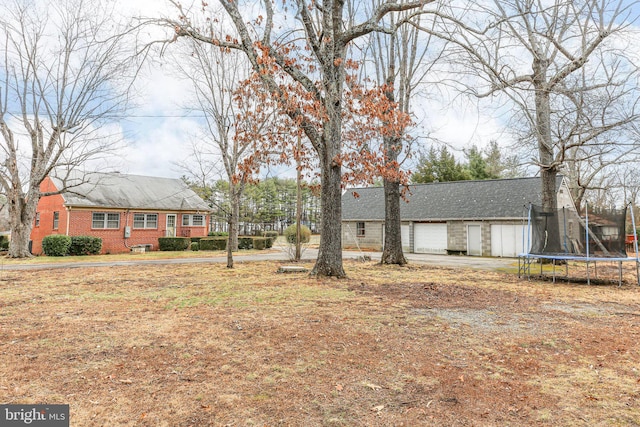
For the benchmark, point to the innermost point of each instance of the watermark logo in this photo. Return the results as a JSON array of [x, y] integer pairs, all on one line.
[[34, 415]]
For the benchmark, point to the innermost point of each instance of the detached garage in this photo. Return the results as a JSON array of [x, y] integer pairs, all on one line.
[[477, 218]]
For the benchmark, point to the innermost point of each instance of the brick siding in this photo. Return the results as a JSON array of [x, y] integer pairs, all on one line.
[[113, 241]]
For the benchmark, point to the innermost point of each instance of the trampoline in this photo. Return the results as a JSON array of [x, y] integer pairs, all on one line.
[[563, 235]]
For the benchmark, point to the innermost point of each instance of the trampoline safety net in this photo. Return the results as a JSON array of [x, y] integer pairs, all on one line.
[[563, 232]]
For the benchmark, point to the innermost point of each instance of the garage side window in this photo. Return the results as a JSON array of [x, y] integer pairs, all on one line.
[[360, 230]]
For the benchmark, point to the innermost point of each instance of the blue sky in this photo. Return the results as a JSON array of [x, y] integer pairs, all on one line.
[[159, 132]]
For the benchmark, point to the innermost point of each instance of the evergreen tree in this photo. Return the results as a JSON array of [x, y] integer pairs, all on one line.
[[440, 165]]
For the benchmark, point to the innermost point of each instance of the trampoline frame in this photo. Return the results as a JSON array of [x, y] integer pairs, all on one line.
[[526, 258]]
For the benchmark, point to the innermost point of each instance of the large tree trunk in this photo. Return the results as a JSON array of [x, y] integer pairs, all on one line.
[[329, 261], [548, 168], [392, 251], [22, 212]]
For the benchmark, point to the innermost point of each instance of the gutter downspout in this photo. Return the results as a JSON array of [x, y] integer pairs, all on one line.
[[68, 208]]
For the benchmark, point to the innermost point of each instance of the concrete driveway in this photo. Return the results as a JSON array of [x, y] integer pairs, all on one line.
[[309, 254]]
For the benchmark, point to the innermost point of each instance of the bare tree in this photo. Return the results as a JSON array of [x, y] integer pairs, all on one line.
[[562, 63], [303, 56], [401, 62], [216, 75], [65, 73]]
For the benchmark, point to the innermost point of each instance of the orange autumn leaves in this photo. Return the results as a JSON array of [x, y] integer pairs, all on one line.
[[277, 122]]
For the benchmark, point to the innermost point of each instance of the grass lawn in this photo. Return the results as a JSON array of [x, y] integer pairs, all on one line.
[[199, 345]]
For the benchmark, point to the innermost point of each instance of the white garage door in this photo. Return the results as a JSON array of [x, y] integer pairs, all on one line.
[[430, 238], [507, 240], [406, 238]]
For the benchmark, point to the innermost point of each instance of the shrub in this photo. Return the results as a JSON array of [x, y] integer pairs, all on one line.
[[213, 243], [4, 243], [195, 239], [218, 234], [259, 243], [290, 234], [271, 236], [56, 245], [173, 243], [245, 242], [195, 246], [85, 245]]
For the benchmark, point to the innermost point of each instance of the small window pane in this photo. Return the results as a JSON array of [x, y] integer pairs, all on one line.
[[198, 220], [98, 220], [360, 229], [152, 221], [138, 220], [113, 220], [56, 220]]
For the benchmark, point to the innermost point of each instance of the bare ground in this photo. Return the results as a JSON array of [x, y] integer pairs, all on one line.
[[197, 346]]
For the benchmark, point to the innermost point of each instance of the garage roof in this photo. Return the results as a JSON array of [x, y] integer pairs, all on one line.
[[487, 199]]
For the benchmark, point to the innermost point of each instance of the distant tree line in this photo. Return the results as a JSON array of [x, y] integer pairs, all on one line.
[[267, 205]]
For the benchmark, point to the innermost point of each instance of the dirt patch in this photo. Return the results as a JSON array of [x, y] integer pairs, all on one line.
[[197, 346]]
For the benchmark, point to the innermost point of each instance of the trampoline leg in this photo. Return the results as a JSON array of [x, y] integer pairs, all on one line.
[[519, 266], [620, 273], [588, 278], [554, 271]]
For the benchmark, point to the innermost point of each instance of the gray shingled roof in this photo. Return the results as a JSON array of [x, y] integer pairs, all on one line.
[[489, 199], [116, 190]]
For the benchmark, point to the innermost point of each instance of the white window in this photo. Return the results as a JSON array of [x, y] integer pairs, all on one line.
[[192, 220], [141, 220], [360, 230], [106, 220], [56, 220]]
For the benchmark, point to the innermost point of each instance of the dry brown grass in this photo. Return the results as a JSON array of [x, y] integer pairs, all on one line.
[[185, 345]]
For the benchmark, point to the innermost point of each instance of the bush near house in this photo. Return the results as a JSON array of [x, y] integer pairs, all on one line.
[[4, 243], [195, 246], [260, 243], [85, 245], [218, 234], [271, 236], [56, 245], [213, 243], [245, 242], [173, 243], [290, 234]]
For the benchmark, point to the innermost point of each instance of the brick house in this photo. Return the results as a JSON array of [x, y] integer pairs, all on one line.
[[480, 218], [123, 210]]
